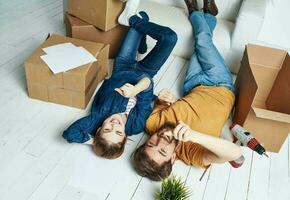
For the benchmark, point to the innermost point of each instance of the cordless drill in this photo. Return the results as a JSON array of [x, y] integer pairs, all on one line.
[[247, 139]]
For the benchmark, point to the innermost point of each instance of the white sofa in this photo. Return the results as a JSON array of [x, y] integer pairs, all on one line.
[[239, 22]]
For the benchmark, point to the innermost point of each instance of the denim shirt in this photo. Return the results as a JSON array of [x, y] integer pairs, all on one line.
[[108, 102]]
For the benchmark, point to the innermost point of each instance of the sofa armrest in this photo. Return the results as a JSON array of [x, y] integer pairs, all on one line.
[[248, 23]]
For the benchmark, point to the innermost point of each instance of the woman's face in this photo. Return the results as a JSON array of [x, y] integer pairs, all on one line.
[[113, 129]]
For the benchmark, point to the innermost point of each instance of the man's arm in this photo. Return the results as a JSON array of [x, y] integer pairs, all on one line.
[[218, 150]]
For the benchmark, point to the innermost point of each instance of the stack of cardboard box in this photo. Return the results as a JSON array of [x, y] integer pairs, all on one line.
[[96, 20], [74, 87], [92, 24], [263, 95]]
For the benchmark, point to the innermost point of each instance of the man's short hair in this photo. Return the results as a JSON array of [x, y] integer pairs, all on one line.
[[107, 149], [146, 166]]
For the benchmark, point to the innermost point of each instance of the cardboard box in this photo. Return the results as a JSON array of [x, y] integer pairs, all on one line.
[[259, 68], [74, 87], [101, 13], [279, 97], [77, 28]]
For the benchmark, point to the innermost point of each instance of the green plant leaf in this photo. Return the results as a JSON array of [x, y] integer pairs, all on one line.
[[173, 188]]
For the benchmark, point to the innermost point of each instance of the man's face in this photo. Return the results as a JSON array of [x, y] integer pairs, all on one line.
[[113, 129], [161, 146]]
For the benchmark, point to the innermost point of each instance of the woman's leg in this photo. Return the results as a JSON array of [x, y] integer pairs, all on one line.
[[128, 50], [166, 40], [133, 41]]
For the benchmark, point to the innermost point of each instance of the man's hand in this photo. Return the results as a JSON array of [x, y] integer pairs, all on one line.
[[166, 97], [183, 133], [127, 90]]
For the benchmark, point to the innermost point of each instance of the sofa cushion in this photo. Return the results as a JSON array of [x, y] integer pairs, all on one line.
[[177, 20], [228, 8]]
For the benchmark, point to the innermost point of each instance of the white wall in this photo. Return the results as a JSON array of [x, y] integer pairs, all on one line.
[[276, 27]]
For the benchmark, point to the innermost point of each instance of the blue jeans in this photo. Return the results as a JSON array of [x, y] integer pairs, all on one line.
[[206, 65], [140, 27]]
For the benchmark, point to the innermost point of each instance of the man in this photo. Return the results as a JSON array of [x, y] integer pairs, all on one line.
[[189, 128], [123, 103]]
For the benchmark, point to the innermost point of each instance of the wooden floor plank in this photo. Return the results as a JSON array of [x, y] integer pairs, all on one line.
[[278, 175], [239, 178], [218, 182], [129, 177], [15, 167], [36, 173], [55, 180], [14, 12], [70, 193], [29, 23], [259, 178], [196, 186]]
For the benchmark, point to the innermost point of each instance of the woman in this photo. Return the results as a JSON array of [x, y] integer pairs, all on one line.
[[123, 103]]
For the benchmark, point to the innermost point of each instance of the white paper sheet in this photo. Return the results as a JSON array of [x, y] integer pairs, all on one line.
[[63, 57], [59, 48]]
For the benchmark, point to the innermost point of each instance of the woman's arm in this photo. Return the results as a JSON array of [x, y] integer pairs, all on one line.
[[128, 90]]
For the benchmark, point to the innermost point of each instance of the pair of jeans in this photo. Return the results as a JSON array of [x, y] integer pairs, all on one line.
[[140, 27], [206, 65]]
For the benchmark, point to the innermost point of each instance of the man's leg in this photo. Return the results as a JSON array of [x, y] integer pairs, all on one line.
[[194, 74], [166, 40], [215, 70], [211, 21]]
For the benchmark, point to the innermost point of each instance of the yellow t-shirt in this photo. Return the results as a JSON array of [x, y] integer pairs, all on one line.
[[205, 109]]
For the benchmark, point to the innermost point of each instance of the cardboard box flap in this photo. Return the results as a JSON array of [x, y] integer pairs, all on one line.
[[267, 114], [265, 56], [286, 70], [246, 88], [279, 97]]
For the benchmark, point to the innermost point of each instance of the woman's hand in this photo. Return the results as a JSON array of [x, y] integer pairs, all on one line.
[[127, 90]]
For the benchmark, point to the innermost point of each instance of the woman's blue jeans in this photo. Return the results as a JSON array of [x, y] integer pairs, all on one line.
[[139, 27]]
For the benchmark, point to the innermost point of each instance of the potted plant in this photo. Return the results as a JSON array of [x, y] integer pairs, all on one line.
[[173, 188]]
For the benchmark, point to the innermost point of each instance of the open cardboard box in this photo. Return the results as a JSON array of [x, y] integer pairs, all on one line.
[[79, 29], [100, 13], [73, 87], [259, 69]]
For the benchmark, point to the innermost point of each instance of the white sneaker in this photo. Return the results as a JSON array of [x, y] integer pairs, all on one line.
[[129, 10]]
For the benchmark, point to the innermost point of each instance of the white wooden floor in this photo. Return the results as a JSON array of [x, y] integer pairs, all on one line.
[[37, 164]]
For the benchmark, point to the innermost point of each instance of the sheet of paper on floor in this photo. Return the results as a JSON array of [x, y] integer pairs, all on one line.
[[63, 57]]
